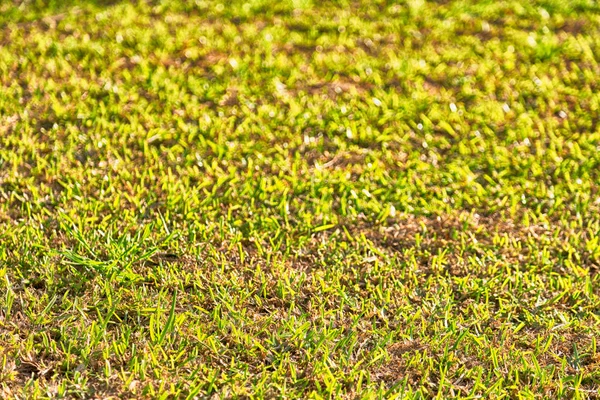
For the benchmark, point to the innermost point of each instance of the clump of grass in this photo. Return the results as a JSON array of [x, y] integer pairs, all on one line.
[[299, 199]]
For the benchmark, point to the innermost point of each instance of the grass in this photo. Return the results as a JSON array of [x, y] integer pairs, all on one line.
[[299, 199]]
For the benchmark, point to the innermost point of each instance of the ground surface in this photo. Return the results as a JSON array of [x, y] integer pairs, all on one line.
[[300, 199]]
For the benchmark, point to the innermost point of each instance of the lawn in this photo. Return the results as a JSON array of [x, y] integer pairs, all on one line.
[[299, 199]]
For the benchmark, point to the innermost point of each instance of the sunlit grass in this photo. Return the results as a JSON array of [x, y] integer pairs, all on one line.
[[299, 199]]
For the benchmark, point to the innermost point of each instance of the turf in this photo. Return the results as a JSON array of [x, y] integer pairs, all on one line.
[[299, 199]]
